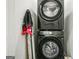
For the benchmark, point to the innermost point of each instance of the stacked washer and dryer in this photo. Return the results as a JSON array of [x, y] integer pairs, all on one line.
[[50, 32]]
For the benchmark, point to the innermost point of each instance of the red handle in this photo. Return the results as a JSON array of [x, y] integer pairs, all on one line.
[[26, 30]]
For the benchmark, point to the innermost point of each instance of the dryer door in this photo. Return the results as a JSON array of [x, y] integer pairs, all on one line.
[[50, 47]]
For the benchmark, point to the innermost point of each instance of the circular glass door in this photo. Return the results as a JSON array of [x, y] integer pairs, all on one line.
[[51, 9], [50, 49]]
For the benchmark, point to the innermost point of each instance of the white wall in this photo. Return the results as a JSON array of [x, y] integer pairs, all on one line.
[[11, 28], [68, 15], [15, 13]]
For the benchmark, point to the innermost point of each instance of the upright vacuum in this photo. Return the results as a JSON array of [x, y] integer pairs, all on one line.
[[27, 31]]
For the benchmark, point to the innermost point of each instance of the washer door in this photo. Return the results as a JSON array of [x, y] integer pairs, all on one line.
[[50, 9], [50, 48]]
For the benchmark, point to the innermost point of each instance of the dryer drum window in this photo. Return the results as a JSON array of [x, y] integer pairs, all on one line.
[[50, 47], [50, 9]]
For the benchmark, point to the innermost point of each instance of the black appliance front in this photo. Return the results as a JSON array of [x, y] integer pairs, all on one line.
[[50, 14], [50, 32], [50, 45]]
